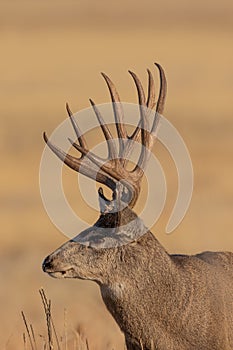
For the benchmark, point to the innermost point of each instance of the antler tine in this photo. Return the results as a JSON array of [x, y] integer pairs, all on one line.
[[161, 99], [141, 94], [141, 123], [78, 165], [76, 128], [146, 145], [151, 91], [112, 152], [143, 119], [118, 112], [162, 91], [150, 103]]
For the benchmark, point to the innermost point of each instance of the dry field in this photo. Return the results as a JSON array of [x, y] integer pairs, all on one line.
[[51, 52]]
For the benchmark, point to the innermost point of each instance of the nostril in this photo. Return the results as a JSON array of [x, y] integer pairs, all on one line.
[[47, 264]]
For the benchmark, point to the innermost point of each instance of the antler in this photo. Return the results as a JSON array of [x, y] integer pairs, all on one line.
[[113, 169]]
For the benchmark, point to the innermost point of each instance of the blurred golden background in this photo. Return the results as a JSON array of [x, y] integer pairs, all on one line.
[[51, 52]]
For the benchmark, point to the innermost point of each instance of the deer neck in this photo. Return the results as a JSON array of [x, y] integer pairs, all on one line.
[[137, 281], [138, 259]]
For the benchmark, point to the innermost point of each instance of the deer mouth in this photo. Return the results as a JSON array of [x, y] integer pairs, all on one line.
[[68, 273]]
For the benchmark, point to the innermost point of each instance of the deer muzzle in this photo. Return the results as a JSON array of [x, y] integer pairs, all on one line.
[[54, 270]]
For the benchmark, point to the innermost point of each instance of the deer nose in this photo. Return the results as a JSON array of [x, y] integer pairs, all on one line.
[[47, 264]]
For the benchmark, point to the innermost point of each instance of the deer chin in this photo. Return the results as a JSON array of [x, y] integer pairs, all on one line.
[[66, 273]]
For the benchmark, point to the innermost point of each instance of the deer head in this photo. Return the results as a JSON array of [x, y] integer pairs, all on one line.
[[117, 226]]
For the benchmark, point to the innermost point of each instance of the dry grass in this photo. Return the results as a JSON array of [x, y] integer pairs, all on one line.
[[70, 339]]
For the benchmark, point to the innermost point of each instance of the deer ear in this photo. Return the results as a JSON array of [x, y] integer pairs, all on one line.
[[121, 193], [105, 204], [118, 201]]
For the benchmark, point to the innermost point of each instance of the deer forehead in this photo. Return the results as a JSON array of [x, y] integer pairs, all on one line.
[[105, 237]]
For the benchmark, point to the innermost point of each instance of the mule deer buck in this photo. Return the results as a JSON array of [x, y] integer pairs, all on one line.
[[160, 301]]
